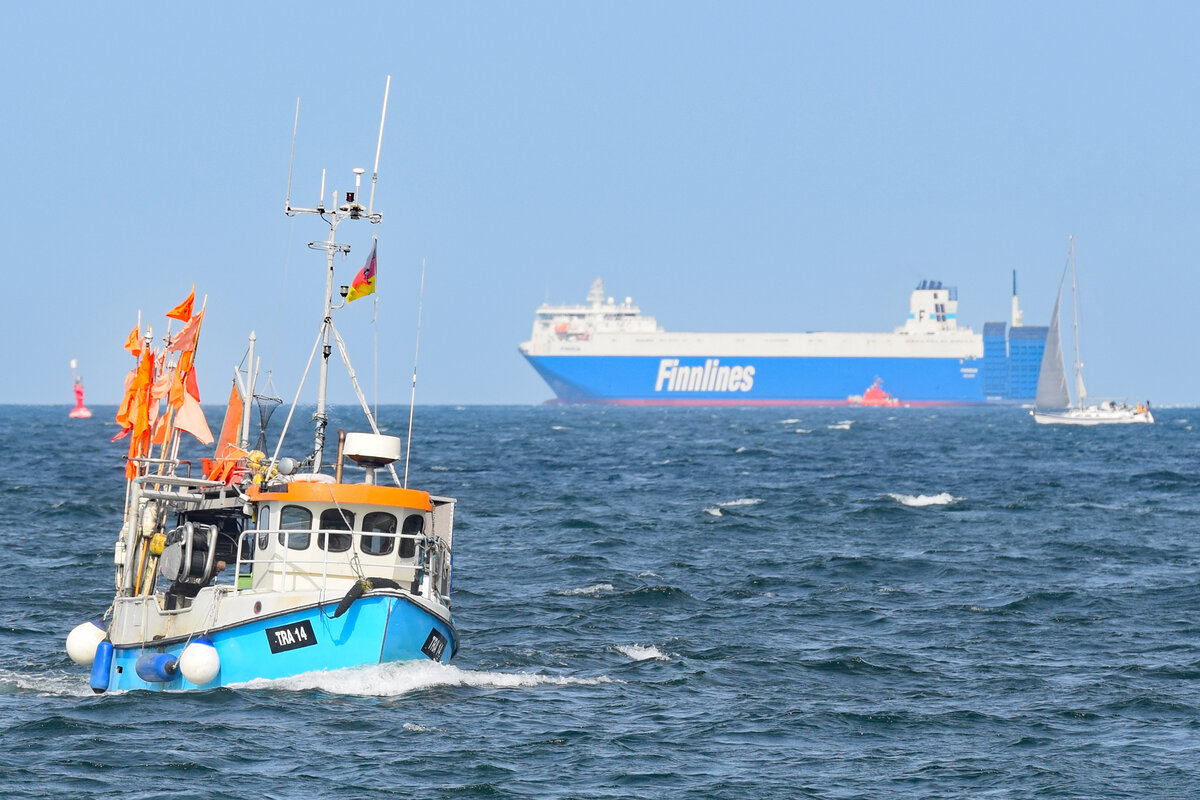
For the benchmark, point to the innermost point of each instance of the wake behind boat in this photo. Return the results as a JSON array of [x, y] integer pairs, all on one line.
[[264, 567], [1053, 405]]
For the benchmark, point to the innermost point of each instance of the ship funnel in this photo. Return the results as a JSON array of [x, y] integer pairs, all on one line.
[[1018, 316], [372, 450]]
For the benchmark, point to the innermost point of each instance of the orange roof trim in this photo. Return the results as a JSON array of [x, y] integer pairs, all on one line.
[[358, 493]]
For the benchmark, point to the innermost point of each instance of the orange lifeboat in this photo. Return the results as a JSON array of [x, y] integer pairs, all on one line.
[[873, 396]]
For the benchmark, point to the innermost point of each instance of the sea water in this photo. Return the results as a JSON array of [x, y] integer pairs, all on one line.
[[733, 603]]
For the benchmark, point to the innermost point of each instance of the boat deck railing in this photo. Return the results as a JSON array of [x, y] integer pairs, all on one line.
[[426, 571]]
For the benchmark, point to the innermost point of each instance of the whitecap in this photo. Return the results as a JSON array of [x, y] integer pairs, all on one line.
[[593, 590], [73, 684], [415, 728], [714, 511], [741, 449], [559, 428], [639, 652], [916, 501], [745, 501], [843, 425], [789, 421], [402, 677], [803, 430]]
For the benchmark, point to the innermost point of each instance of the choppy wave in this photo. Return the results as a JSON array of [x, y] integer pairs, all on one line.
[[715, 511], [843, 425], [639, 652], [415, 728], [50, 684], [919, 500], [595, 590]]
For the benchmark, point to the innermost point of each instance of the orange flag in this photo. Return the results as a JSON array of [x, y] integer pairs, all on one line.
[[233, 421], [139, 411], [185, 340], [183, 311], [134, 343], [178, 378], [124, 410], [190, 418]]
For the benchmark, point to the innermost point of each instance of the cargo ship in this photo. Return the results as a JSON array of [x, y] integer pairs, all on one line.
[[609, 352]]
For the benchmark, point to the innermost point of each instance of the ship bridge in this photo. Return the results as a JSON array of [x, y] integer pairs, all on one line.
[[932, 309], [560, 324]]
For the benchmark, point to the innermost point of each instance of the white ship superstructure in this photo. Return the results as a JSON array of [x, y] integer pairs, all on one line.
[[609, 352]]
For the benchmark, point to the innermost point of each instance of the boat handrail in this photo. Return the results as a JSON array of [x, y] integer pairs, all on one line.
[[171, 463], [178, 480]]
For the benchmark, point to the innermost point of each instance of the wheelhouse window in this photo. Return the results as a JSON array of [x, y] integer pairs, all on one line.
[[377, 522], [263, 523], [414, 524], [335, 519], [293, 519]]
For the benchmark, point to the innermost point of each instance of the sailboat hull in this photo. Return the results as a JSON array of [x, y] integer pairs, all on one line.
[[375, 629], [1093, 415]]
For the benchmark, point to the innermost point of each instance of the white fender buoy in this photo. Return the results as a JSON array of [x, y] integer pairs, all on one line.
[[199, 661], [82, 641]]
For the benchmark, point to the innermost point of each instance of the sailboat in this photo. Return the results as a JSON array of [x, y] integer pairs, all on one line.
[[80, 411], [1052, 404], [263, 567]]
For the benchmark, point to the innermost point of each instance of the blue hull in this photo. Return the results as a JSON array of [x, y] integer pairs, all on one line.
[[752, 380], [375, 629]]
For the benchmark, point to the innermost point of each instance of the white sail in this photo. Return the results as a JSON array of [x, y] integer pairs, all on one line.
[[1052, 378]]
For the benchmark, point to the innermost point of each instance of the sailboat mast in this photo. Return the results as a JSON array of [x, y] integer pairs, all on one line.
[[1080, 391]]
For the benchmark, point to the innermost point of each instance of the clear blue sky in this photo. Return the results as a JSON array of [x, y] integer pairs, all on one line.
[[732, 166]]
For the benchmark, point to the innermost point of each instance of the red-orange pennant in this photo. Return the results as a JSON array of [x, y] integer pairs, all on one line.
[[183, 311]]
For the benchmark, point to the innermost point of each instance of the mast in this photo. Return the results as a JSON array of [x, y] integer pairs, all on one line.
[[1080, 389], [349, 207]]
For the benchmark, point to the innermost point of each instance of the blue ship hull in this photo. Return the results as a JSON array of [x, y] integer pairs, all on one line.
[[752, 380], [375, 629]]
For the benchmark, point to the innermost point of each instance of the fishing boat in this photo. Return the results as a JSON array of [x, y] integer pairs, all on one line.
[[1053, 404], [80, 411], [256, 566]]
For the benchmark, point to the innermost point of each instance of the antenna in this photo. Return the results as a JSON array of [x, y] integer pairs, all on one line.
[[413, 401], [334, 215], [379, 146], [287, 202]]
